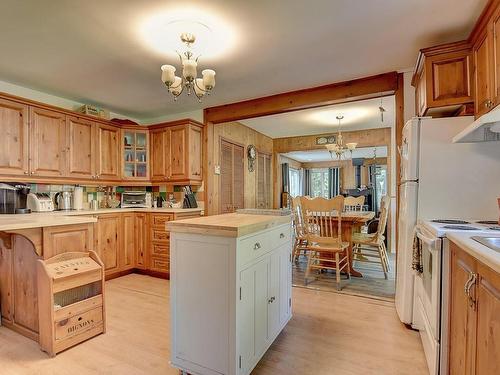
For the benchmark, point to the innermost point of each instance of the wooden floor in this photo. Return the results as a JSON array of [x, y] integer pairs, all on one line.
[[329, 334], [372, 284]]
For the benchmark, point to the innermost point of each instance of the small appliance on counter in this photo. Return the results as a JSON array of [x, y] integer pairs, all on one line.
[[64, 200], [13, 198], [137, 199], [189, 198], [40, 202], [78, 198]]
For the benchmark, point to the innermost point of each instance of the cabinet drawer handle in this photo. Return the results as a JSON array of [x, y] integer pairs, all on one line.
[[257, 246], [468, 286], [282, 235]]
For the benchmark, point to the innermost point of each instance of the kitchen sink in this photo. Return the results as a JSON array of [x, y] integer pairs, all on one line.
[[492, 242]]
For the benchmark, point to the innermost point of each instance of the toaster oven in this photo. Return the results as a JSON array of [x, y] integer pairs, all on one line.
[[140, 199]]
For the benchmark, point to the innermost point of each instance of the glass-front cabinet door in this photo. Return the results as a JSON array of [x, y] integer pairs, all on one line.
[[135, 154]]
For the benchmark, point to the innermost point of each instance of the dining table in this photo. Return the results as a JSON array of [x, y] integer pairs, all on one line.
[[351, 223]]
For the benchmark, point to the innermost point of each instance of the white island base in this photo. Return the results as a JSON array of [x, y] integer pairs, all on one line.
[[230, 292]]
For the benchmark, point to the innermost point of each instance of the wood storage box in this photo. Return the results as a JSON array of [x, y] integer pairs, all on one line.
[[70, 300]]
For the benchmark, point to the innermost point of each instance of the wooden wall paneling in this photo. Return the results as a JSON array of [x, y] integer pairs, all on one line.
[[14, 150], [81, 147], [48, 143]]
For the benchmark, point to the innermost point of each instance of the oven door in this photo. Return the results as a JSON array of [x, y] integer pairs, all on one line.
[[428, 297]]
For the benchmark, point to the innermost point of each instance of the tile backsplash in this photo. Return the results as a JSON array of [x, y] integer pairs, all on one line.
[[94, 192]]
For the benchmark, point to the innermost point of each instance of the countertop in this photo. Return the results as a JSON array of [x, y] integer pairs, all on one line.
[[227, 225], [56, 218], [484, 254]]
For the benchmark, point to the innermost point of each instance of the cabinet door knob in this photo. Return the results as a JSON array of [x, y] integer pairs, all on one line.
[[282, 235], [256, 246], [26, 172]]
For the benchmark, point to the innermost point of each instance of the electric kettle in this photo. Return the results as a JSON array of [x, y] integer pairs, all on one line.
[[64, 200]]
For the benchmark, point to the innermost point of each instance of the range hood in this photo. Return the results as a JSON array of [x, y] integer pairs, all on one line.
[[485, 129]]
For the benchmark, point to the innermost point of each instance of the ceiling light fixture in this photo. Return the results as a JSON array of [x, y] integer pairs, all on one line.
[[188, 80], [338, 148]]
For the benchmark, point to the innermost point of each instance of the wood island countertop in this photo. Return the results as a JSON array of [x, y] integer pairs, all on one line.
[[227, 225]]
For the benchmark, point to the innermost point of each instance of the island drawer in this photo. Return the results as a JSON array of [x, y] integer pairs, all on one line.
[[255, 246]]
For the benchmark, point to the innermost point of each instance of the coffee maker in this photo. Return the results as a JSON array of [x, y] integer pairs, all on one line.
[[13, 198]]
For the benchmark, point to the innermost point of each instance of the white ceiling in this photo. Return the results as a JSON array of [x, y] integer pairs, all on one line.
[[363, 114], [324, 155], [92, 51]]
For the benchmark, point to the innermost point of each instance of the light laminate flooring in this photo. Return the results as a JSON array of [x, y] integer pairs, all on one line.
[[328, 334]]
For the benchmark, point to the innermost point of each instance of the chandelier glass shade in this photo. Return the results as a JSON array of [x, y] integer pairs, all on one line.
[[188, 80], [339, 148]]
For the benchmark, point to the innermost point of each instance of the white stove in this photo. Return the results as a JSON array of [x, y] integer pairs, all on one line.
[[439, 227], [431, 291]]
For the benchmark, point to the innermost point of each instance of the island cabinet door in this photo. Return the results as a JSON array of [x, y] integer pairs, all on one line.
[[253, 317]]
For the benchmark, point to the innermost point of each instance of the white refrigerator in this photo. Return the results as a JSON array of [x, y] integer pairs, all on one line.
[[440, 180]]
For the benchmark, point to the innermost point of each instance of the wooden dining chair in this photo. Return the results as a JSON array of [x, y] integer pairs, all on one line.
[[354, 203], [326, 250], [298, 227], [366, 247]]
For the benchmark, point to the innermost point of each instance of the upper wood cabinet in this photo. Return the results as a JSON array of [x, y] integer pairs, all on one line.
[[48, 143], [135, 154], [442, 79], [81, 149], [176, 152], [14, 133], [108, 152], [474, 314]]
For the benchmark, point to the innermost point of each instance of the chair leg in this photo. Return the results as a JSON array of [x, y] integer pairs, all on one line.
[[382, 260], [348, 266], [386, 255], [337, 270], [296, 250], [308, 268]]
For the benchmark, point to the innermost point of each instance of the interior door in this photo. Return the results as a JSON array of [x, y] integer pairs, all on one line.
[[48, 144], [231, 177], [14, 150]]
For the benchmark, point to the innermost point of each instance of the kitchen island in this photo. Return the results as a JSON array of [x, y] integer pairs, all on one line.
[[230, 290]]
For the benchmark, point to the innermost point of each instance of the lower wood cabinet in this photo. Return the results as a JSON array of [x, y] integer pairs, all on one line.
[[159, 248], [474, 332], [141, 238], [108, 244], [128, 254]]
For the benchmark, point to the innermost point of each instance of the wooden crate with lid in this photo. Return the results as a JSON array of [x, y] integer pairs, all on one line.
[[70, 300]]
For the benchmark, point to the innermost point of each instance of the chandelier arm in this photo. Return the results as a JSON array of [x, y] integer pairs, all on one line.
[[201, 89]]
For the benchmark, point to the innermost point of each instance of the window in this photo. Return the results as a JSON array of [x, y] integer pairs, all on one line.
[[319, 183], [295, 182]]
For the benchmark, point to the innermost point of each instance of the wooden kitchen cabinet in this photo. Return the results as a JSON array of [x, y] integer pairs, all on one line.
[[108, 152], [14, 150], [159, 243], [48, 143], [108, 244], [141, 239], [176, 152], [127, 247], [474, 328], [442, 79], [483, 64], [82, 147], [67, 238], [135, 154]]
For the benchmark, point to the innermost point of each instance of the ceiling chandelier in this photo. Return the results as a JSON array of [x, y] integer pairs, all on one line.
[[188, 80], [338, 148]]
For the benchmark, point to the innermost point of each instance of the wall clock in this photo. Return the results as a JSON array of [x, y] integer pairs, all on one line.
[[251, 155]]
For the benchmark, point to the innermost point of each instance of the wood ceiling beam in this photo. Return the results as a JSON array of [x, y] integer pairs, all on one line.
[[363, 88]]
